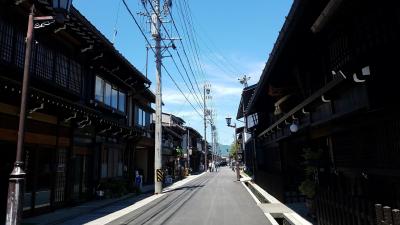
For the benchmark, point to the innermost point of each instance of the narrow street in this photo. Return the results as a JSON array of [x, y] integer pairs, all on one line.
[[214, 198]]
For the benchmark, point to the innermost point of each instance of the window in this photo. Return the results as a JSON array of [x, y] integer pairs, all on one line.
[[6, 41], [44, 63], [143, 118], [20, 50], [107, 95], [75, 81], [121, 102], [61, 75], [111, 162], [140, 122], [114, 98], [99, 95]]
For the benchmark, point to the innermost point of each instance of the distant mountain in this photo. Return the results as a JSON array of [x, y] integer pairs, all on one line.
[[224, 149]]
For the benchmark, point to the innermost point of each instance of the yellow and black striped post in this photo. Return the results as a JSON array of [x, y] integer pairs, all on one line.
[[160, 175]]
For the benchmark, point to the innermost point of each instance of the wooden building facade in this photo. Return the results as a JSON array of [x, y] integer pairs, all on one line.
[[81, 128], [327, 112]]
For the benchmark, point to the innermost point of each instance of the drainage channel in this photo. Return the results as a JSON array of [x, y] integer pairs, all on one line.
[[256, 193], [263, 200]]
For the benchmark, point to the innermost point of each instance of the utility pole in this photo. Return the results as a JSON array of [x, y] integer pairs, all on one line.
[[188, 148], [156, 24], [243, 81], [206, 92], [212, 142], [155, 32], [205, 127]]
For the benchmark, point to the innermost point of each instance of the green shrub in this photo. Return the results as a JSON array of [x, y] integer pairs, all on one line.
[[307, 188]]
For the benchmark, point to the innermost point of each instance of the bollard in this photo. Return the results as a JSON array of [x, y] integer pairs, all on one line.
[[396, 216], [387, 215], [379, 214]]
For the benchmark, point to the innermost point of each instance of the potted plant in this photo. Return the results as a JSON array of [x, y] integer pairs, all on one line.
[[308, 187]]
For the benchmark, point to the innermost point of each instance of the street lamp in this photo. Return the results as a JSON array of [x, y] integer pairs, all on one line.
[[228, 123], [17, 176]]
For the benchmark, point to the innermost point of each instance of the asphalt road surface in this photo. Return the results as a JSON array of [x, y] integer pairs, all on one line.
[[214, 198]]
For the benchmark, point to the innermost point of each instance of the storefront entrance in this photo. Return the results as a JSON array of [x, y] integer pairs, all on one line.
[[40, 165]]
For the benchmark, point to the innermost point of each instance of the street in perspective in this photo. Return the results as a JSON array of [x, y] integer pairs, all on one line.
[[199, 112]]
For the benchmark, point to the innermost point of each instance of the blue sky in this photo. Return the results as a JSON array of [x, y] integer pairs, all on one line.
[[233, 38]]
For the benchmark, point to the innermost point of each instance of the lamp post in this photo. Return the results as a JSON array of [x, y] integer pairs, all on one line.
[[17, 176], [228, 123]]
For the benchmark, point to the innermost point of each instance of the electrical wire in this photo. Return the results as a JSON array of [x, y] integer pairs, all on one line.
[[148, 42], [196, 97], [177, 52], [173, 80], [222, 59]]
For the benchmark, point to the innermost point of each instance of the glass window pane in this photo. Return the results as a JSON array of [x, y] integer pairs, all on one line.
[[99, 89], [114, 98], [140, 117], [121, 102], [107, 96]]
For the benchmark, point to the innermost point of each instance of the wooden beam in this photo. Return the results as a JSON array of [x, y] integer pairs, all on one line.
[[326, 15], [337, 80], [34, 138]]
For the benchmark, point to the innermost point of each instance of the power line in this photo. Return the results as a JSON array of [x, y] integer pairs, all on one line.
[[196, 97], [148, 42], [173, 80], [184, 51], [180, 58], [115, 31], [224, 60], [137, 24], [192, 43]]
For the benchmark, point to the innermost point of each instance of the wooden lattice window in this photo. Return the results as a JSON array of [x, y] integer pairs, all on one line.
[[6, 42], [75, 77], [339, 51], [44, 63], [61, 73], [60, 176], [19, 50]]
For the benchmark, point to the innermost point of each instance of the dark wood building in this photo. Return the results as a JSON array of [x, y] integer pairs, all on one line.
[[326, 103], [195, 149], [83, 121]]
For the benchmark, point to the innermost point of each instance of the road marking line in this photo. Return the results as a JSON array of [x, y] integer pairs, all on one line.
[[115, 215]]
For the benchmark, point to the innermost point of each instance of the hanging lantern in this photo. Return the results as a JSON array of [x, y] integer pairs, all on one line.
[[61, 8]]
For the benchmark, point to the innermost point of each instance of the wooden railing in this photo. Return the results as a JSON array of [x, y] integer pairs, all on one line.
[[335, 208]]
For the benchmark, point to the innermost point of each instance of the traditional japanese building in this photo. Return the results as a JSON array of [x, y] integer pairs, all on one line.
[[194, 147], [328, 126], [83, 125], [245, 138], [173, 131]]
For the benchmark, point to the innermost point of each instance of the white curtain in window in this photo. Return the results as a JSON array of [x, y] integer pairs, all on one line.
[[114, 98], [121, 102], [107, 96], [99, 89]]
